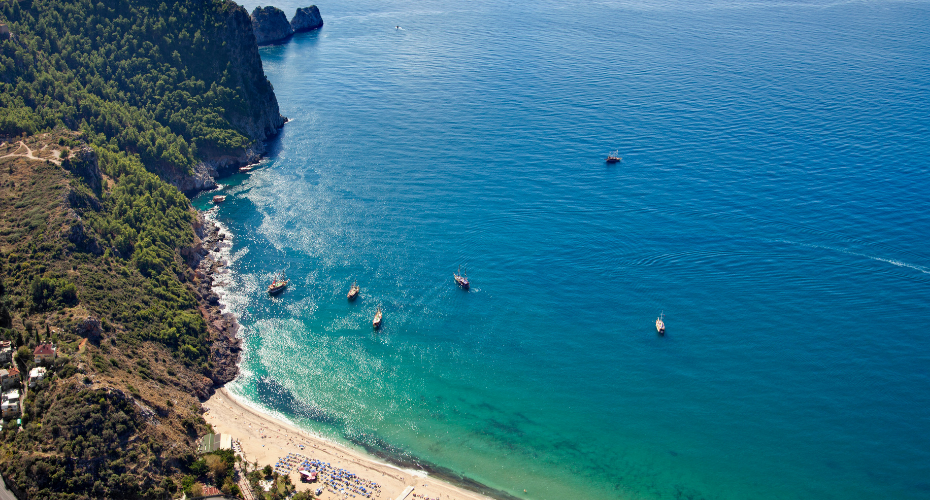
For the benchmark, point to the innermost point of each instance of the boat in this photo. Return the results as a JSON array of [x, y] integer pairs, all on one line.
[[376, 323], [277, 286], [660, 324], [245, 169], [460, 279], [219, 198], [353, 292], [614, 156]]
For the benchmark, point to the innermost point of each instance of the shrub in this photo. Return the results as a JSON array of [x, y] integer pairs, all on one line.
[[50, 292]]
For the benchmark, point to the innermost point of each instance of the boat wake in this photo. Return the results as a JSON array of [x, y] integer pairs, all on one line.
[[894, 262]]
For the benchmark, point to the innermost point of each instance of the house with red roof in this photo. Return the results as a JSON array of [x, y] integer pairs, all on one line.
[[210, 491], [45, 353]]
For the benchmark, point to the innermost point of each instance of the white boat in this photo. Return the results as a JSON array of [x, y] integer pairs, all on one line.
[[376, 323], [660, 324]]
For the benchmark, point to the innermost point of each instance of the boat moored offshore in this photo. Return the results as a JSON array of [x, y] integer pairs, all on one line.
[[277, 286], [614, 156], [376, 323], [660, 324], [353, 291], [461, 279]]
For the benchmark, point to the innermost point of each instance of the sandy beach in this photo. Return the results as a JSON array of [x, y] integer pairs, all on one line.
[[267, 440]]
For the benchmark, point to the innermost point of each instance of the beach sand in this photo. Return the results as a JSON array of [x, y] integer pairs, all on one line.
[[266, 439]]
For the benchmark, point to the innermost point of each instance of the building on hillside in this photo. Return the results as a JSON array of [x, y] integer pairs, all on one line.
[[45, 353], [35, 375], [211, 492], [14, 376], [213, 442], [10, 406], [5, 380], [6, 353]]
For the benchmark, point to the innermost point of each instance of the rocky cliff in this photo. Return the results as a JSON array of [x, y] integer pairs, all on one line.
[[258, 118], [270, 25], [306, 19]]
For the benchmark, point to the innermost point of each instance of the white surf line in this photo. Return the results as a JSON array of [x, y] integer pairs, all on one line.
[[894, 262], [406, 492]]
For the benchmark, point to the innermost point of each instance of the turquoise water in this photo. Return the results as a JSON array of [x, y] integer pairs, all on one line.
[[773, 201]]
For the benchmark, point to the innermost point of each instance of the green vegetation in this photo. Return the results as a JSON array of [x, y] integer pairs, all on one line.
[[102, 95], [76, 241], [216, 467], [50, 292], [143, 76], [85, 440], [281, 486], [125, 266]]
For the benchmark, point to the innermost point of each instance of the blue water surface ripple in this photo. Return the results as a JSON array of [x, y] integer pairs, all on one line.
[[773, 200]]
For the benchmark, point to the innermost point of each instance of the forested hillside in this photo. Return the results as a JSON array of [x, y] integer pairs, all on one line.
[[174, 82], [91, 261], [100, 102]]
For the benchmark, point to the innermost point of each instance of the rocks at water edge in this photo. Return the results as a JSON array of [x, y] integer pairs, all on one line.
[[270, 25], [306, 19]]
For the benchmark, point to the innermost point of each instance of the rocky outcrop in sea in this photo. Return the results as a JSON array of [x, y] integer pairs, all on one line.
[[306, 19], [270, 25]]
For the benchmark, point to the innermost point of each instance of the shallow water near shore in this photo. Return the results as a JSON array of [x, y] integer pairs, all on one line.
[[773, 200]]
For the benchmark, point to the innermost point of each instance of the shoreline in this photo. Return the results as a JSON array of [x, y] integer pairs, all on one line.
[[265, 439], [231, 414]]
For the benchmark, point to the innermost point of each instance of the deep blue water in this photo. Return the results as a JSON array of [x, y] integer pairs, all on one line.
[[773, 200]]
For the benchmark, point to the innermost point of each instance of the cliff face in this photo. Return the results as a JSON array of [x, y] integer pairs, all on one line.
[[270, 25], [306, 19], [258, 117]]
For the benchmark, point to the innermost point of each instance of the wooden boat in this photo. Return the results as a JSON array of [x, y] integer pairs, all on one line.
[[353, 292], [219, 199], [660, 324], [277, 286], [461, 279], [614, 156], [376, 323]]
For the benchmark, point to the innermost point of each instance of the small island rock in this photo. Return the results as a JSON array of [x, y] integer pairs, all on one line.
[[306, 19], [270, 25]]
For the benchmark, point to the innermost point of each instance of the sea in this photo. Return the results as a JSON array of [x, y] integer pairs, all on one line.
[[772, 204]]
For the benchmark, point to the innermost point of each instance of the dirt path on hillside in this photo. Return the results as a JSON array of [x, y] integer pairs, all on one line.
[[28, 154]]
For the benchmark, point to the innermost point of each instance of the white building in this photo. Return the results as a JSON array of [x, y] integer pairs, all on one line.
[[35, 375], [10, 406]]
